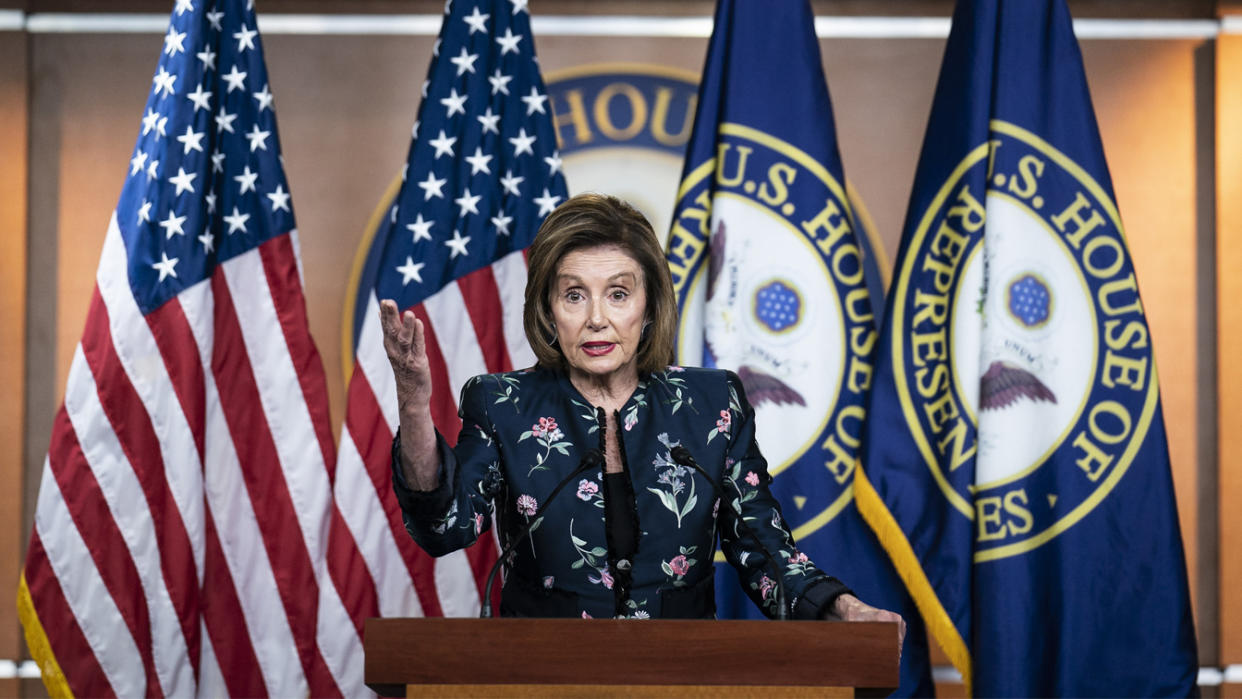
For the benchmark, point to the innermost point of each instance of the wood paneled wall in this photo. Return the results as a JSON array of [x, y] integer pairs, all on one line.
[[346, 103], [1229, 340], [13, 169]]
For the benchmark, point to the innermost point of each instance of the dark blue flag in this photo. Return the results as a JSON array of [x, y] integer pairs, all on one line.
[[770, 283], [1015, 464]]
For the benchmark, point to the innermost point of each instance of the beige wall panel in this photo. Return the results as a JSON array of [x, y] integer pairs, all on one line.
[[1229, 343], [1145, 103], [12, 327], [881, 97]]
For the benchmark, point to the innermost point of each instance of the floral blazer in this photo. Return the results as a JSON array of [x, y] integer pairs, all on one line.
[[524, 432]]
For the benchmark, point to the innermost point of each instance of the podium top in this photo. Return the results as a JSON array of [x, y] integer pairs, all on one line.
[[400, 652]]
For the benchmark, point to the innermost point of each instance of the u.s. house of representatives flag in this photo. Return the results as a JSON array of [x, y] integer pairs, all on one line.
[[769, 282], [179, 537], [1015, 464], [482, 174]]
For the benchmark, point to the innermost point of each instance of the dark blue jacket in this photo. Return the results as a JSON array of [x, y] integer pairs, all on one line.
[[524, 432]]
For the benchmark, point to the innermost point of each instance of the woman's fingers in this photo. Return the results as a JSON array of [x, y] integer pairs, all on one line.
[[403, 332], [418, 340]]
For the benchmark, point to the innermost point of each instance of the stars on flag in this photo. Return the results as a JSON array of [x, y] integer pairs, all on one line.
[[172, 224], [522, 143], [500, 82], [192, 140], [166, 267], [421, 228], [478, 162], [258, 138], [201, 98], [237, 222], [547, 202], [410, 271], [484, 147], [458, 244], [511, 182], [264, 98], [468, 203], [454, 103], [464, 61], [245, 38], [443, 144], [174, 42], [508, 42], [183, 180], [224, 121], [164, 82], [280, 199], [534, 101], [477, 21], [205, 152], [236, 79], [208, 58], [432, 186], [490, 122], [247, 180]]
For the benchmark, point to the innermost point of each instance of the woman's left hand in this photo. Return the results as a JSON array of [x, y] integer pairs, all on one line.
[[847, 607]]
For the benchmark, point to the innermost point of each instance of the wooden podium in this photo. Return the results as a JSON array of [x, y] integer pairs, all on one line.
[[631, 658]]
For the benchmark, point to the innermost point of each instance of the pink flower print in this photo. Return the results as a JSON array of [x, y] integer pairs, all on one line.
[[478, 524], [605, 578], [548, 581], [527, 505], [766, 585], [587, 616], [752, 478], [676, 368], [725, 420], [679, 565], [587, 489], [799, 557], [630, 421]]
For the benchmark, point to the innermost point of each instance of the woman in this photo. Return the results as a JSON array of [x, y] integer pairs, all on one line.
[[636, 537]]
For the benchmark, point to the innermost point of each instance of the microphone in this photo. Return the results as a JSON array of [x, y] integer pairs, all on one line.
[[592, 459], [683, 457]]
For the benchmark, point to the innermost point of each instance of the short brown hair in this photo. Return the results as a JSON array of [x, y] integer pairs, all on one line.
[[590, 221]]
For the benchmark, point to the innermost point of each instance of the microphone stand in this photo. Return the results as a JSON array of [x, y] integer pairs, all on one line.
[[592, 459], [683, 457]]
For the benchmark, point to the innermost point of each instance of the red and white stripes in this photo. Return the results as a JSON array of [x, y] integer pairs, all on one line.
[[197, 442], [474, 326]]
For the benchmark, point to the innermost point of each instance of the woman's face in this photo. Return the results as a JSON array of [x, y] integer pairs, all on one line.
[[599, 304]]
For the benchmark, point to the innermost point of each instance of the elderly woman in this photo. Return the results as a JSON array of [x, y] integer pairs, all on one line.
[[635, 532]]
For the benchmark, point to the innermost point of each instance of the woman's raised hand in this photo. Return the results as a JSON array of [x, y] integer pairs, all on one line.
[[407, 352]]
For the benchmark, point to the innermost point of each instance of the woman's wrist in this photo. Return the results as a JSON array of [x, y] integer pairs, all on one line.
[[843, 605]]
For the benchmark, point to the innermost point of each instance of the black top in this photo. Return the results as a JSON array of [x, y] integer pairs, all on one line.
[[622, 534]]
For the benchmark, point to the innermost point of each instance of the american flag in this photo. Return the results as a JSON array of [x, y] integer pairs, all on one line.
[[482, 173], [180, 536]]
